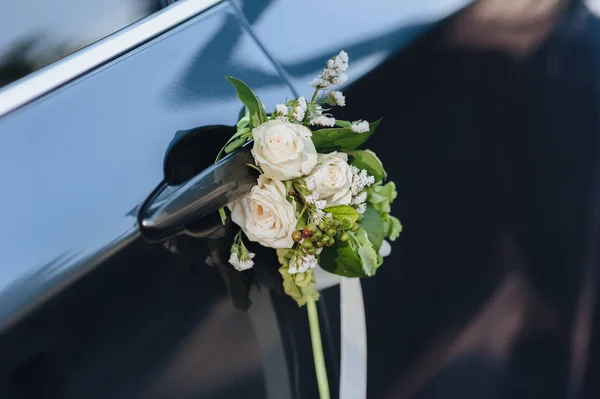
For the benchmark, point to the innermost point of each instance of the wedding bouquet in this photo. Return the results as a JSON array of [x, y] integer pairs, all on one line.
[[319, 200]]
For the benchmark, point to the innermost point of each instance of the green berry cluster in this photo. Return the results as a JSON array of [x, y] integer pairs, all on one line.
[[324, 234]]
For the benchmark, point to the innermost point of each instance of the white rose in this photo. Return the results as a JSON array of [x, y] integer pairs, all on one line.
[[283, 150], [332, 178], [265, 214]]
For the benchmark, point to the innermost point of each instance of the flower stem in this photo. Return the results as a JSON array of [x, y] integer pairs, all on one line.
[[314, 97], [317, 346]]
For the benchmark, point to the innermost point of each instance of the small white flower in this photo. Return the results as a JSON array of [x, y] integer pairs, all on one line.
[[361, 208], [308, 262], [315, 110], [242, 264], [360, 126], [337, 98], [360, 180], [317, 216], [233, 259], [299, 113], [328, 73], [340, 79], [320, 83], [281, 109], [300, 264], [320, 204], [340, 65], [359, 198], [248, 263], [312, 198], [302, 102], [310, 183], [284, 119], [333, 72], [323, 121]]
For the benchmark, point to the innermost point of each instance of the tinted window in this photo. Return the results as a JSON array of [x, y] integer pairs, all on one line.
[[35, 33]]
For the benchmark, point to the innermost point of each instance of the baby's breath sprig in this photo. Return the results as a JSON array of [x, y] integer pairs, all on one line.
[[240, 258]]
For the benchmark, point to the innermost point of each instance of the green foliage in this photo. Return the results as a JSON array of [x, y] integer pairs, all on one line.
[[366, 159], [341, 138], [367, 254], [355, 258], [250, 100], [299, 286], [373, 224], [345, 214], [392, 226], [381, 196], [342, 259]]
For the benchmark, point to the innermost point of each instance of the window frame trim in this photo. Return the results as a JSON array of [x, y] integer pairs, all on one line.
[[55, 75]]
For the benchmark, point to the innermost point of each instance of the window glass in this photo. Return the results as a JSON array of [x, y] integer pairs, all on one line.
[[35, 33]]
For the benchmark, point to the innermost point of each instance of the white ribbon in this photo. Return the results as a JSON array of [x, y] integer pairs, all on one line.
[[353, 335], [353, 363]]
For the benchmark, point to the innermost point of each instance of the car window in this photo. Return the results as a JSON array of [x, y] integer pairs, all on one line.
[[35, 33]]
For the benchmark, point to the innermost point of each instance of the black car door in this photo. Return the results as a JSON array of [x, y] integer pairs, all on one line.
[[88, 308]]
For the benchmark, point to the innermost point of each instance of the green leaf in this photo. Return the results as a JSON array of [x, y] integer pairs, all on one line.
[[255, 120], [235, 144], [302, 220], [341, 138], [394, 227], [342, 259], [243, 118], [357, 257], [252, 166], [381, 196], [223, 216], [250, 100], [300, 187], [374, 226], [345, 214], [367, 253], [288, 186], [379, 260], [299, 286], [366, 159], [342, 123]]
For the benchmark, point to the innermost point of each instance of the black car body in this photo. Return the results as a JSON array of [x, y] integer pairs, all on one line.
[[489, 293]]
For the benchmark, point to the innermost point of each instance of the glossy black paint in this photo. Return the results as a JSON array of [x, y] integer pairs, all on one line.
[[371, 31], [69, 344], [489, 293], [108, 155], [34, 34]]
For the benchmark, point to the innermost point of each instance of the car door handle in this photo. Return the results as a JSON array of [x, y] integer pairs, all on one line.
[[170, 208]]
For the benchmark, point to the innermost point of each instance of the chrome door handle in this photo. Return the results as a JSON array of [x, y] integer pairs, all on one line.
[[170, 208]]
